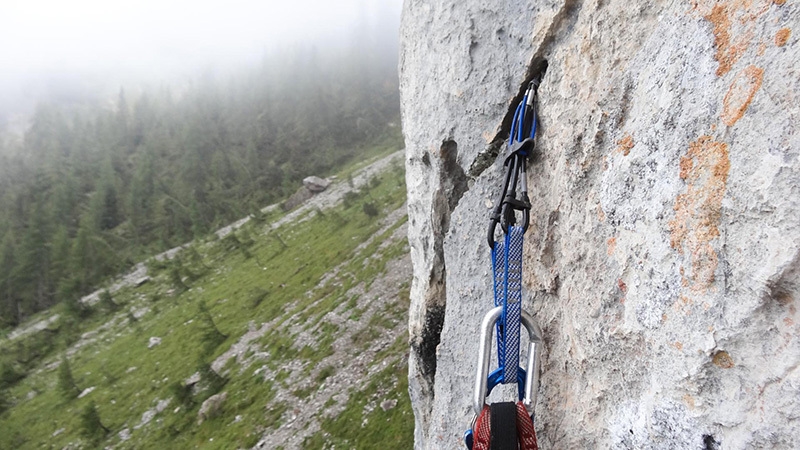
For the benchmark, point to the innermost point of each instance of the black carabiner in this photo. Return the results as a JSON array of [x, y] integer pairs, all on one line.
[[508, 203], [521, 143]]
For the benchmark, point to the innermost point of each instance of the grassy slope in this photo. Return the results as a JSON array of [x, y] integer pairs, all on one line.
[[260, 277]]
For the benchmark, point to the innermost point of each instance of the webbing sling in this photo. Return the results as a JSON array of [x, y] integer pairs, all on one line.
[[507, 262]]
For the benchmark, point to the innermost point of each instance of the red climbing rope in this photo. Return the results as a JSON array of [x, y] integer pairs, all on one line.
[[526, 434], [525, 431]]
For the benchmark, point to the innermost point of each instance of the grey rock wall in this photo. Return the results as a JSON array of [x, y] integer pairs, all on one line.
[[663, 255]]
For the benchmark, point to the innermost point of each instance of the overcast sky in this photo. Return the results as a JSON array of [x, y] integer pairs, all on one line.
[[42, 40]]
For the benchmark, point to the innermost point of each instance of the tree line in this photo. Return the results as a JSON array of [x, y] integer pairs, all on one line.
[[90, 189]]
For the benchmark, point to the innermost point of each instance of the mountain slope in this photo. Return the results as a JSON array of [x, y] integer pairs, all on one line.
[[297, 321]]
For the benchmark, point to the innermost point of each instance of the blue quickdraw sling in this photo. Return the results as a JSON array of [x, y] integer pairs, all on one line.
[[507, 316]]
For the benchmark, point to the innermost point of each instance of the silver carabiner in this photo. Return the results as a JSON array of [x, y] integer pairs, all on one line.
[[484, 354]]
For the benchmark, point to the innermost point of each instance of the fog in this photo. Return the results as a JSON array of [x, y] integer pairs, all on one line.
[[87, 49]]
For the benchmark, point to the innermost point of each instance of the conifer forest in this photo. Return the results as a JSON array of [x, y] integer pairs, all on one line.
[[92, 187]]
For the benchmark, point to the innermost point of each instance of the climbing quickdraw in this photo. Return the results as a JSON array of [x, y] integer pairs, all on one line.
[[507, 425]]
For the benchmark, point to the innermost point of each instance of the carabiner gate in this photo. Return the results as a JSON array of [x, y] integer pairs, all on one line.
[[531, 380]]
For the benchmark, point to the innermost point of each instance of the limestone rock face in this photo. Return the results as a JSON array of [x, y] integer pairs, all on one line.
[[663, 255]]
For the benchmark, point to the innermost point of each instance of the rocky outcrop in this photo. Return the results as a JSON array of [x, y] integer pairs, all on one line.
[[297, 199], [311, 186], [211, 407], [316, 184], [663, 255]]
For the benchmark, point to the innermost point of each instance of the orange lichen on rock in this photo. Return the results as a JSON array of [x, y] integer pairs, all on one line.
[[779, 2], [697, 211], [734, 27], [612, 245], [741, 93], [686, 166], [782, 36], [625, 144], [728, 52], [722, 359]]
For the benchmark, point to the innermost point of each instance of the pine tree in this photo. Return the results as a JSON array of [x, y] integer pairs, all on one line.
[[65, 199], [92, 427], [59, 255], [5, 402], [9, 376], [82, 258], [9, 301], [91, 257], [32, 268], [141, 197], [105, 205], [176, 275], [69, 292], [182, 393], [210, 336], [66, 384], [370, 210]]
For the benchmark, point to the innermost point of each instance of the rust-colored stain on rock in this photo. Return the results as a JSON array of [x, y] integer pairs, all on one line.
[[782, 36], [779, 2], [741, 93], [697, 211], [612, 245], [727, 53], [722, 359], [734, 27], [625, 144], [687, 163]]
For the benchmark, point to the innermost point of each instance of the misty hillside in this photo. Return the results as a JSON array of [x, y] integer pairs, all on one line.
[[286, 332], [202, 226], [92, 187]]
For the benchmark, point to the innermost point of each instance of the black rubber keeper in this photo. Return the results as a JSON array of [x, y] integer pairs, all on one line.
[[504, 426]]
